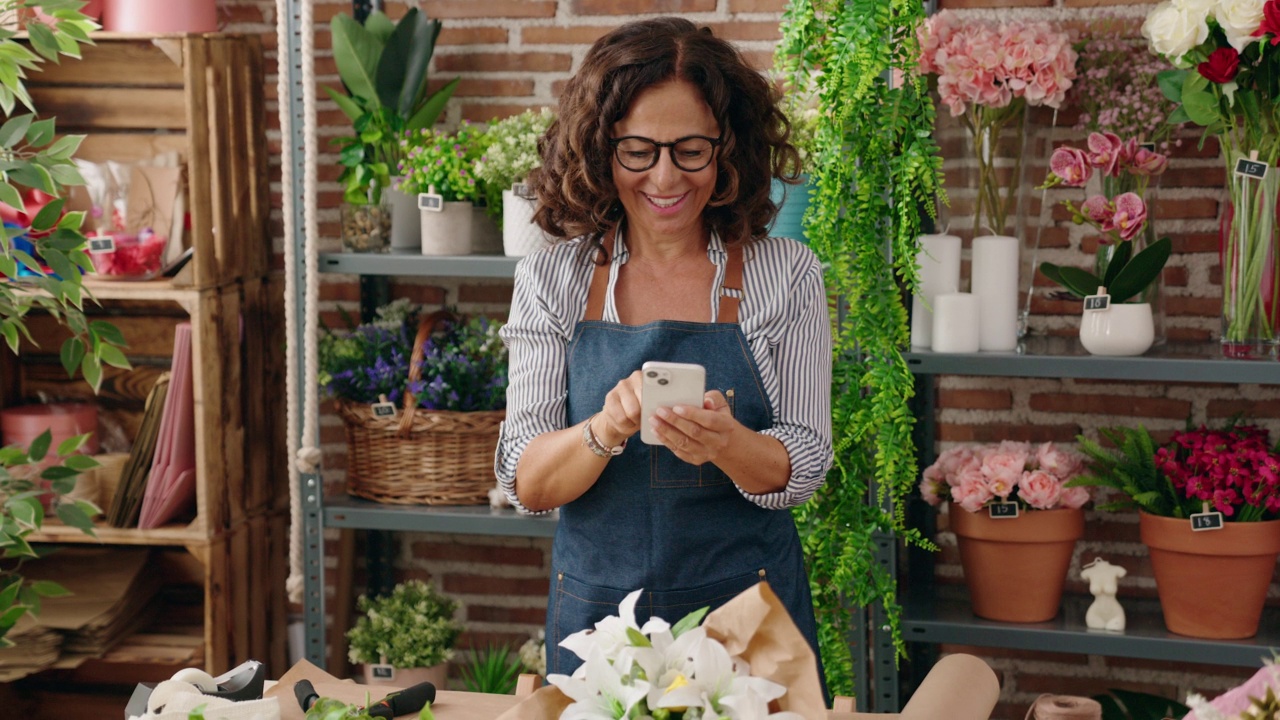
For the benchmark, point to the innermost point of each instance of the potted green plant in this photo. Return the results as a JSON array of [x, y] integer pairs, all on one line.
[[439, 169], [503, 168], [46, 277], [492, 670], [405, 637], [876, 136], [383, 65], [1208, 504]]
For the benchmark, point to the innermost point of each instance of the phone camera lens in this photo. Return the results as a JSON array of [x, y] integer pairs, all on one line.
[[663, 381], [652, 374]]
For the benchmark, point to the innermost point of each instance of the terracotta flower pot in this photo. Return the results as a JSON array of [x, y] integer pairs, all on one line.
[[1016, 567], [1212, 583]]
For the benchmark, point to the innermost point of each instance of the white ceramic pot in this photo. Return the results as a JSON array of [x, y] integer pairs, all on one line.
[[406, 225], [447, 231], [1122, 329], [486, 238], [520, 236], [406, 677]]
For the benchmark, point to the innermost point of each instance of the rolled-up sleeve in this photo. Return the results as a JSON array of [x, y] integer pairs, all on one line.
[[801, 359], [537, 336]]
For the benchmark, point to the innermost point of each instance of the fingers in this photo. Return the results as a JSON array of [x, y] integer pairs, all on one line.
[[621, 411], [695, 435]]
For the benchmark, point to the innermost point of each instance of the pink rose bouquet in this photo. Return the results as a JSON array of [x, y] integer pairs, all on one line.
[[973, 476], [989, 73], [1119, 212]]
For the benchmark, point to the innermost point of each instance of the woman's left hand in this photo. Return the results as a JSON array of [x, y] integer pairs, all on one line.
[[697, 435]]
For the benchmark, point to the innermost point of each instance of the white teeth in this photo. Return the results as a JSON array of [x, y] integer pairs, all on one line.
[[663, 203]]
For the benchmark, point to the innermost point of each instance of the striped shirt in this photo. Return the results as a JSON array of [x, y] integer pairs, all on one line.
[[784, 317]]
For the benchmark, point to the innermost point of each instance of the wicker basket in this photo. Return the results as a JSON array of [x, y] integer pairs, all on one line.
[[420, 457]]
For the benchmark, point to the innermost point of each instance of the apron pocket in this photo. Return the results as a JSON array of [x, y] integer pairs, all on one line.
[[672, 605], [577, 606], [668, 471]]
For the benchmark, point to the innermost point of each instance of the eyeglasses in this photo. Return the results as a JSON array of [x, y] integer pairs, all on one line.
[[690, 154]]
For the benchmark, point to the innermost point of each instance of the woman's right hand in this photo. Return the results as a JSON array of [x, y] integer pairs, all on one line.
[[620, 417]]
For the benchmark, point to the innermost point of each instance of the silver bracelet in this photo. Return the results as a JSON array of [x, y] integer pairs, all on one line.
[[593, 444]]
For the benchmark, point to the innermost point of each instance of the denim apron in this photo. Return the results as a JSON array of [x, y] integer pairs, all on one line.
[[681, 532]]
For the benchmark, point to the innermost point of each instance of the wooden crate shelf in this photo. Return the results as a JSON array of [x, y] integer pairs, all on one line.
[[135, 96]]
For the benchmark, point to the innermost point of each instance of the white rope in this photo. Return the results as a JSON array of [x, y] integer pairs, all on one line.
[[307, 457]]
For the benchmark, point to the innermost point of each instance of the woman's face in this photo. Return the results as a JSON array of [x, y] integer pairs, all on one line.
[[666, 200]]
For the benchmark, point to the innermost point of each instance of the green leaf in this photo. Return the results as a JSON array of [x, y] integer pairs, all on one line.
[[41, 132], [1119, 256], [40, 446], [71, 354], [80, 463], [10, 196], [14, 129], [48, 216], [64, 147], [1199, 100], [26, 511], [1141, 271], [349, 107], [689, 622], [108, 332], [426, 115], [49, 589], [1080, 283], [636, 639], [9, 330], [9, 594], [19, 548], [112, 356], [57, 472], [356, 52], [72, 444], [74, 515], [92, 371], [380, 25], [1171, 82]]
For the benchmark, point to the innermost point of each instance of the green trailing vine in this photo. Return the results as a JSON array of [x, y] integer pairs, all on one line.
[[874, 166]]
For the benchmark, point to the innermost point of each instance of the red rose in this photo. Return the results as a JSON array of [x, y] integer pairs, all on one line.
[[1270, 22], [1223, 64]]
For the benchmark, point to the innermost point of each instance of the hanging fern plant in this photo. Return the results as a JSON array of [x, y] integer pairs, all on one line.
[[874, 166]]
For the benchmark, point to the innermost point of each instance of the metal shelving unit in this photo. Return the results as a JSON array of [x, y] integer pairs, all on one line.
[[931, 619], [417, 264], [456, 519]]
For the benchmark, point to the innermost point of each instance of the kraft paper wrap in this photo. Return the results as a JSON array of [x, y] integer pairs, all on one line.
[[753, 625]]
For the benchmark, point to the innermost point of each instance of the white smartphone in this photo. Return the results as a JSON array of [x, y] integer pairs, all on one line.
[[664, 384]]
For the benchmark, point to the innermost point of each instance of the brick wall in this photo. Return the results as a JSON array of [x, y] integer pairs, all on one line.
[[515, 54]]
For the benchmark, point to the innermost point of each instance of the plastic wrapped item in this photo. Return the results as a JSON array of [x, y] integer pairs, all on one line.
[[128, 256]]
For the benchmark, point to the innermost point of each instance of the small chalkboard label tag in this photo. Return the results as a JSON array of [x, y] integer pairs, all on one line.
[[521, 190], [1003, 510], [384, 410], [102, 244], [1148, 146], [1206, 521], [1097, 303], [383, 672], [431, 201], [1251, 168]]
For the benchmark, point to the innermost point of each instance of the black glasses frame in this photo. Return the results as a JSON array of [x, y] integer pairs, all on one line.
[[671, 151]]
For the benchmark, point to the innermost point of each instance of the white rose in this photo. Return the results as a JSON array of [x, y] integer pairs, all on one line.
[[1172, 30], [1198, 8], [1239, 19]]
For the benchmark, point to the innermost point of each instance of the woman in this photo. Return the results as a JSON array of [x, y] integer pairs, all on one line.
[[657, 175]]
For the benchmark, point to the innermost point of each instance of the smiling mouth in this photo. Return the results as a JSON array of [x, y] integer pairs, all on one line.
[[664, 203]]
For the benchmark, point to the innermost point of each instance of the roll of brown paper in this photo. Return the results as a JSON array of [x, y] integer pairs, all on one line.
[[959, 687], [1064, 707]]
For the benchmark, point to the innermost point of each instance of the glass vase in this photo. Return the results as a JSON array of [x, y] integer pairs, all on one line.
[[1250, 273], [366, 228]]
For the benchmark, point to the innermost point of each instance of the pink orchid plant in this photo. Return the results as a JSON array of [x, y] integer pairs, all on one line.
[[974, 476], [1119, 212]]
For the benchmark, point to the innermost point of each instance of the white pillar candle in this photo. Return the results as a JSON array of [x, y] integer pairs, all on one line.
[[995, 283], [939, 261], [956, 323]]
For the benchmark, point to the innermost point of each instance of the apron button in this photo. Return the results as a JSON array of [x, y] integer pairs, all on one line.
[[761, 573], [560, 576]]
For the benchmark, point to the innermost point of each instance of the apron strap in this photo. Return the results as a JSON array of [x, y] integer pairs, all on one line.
[[731, 292], [599, 282]]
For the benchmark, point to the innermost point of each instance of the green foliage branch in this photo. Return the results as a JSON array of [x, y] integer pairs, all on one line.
[[874, 165], [410, 628], [33, 158], [493, 670]]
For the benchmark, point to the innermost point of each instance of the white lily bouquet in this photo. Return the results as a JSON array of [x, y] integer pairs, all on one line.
[[745, 659]]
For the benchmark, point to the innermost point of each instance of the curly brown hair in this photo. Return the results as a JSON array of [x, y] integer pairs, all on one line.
[[574, 186]]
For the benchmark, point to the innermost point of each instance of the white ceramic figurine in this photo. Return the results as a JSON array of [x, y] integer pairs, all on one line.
[[1105, 613]]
